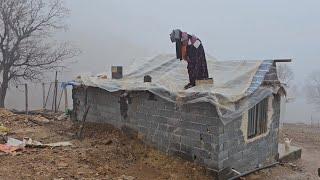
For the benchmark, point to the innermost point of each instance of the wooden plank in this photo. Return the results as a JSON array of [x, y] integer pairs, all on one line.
[[282, 60], [204, 81]]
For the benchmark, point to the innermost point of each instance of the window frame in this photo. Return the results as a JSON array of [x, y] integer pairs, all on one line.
[[258, 119]]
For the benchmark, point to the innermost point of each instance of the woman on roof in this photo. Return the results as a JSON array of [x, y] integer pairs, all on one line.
[[189, 48]]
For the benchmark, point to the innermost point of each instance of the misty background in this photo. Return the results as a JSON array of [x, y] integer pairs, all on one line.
[[116, 32]]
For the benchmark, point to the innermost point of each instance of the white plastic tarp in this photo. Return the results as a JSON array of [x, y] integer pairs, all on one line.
[[236, 83]]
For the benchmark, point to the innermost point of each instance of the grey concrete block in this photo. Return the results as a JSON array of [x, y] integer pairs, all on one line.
[[222, 155], [212, 164], [201, 153], [191, 142], [236, 156], [166, 112], [208, 147], [206, 120], [207, 138], [140, 115], [188, 133], [163, 127], [159, 119], [181, 154], [172, 129], [186, 116], [186, 149], [194, 126], [174, 122], [175, 146], [213, 129], [175, 138], [170, 106]]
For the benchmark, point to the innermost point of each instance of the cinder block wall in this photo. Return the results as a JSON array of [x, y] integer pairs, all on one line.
[[190, 131], [242, 156]]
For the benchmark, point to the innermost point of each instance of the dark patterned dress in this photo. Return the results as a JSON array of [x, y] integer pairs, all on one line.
[[197, 63]]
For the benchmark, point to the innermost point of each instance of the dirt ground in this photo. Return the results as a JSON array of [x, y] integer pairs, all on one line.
[[106, 153], [306, 137]]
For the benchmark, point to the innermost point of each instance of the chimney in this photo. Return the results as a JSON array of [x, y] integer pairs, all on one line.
[[116, 72]]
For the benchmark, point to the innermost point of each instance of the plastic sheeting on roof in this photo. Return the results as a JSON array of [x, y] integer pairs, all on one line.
[[237, 84]]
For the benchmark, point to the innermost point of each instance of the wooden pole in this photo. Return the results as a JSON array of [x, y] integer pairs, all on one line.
[[65, 98], [60, 97], [26, 97], [55, 91], [84, 117], [43, 97], [48, 93]]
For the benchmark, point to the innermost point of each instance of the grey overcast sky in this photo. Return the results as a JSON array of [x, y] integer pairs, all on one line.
[[114, 32], [117, 31]]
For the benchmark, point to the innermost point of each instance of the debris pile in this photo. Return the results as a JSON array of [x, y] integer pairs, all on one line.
[[10, 145], [9, 118]]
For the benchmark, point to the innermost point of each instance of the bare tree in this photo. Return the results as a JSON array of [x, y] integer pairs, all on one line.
[[26, 48], [312, 88], [285, 74]]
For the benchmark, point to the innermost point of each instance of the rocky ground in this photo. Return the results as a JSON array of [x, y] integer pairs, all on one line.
[[103, 153], [106, 153]]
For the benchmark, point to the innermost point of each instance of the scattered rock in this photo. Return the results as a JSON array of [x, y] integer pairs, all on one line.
[[62, 165], [108, 142], [2, 140], [39, 119], [62, 117], [292, 165], [3, 130], [124, 177]]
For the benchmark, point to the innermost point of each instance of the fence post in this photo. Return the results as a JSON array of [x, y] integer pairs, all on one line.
[[55, 92], [43, 97], [26, 97], [65, 98], [56, 84]]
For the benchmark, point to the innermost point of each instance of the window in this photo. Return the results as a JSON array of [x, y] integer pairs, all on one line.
[[257, 119]]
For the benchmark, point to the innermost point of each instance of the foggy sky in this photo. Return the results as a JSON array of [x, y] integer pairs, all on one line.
[[115, 32]]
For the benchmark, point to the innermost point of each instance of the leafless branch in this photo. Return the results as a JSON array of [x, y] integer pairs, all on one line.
[[285, 74], [313, 88], [26, 50]]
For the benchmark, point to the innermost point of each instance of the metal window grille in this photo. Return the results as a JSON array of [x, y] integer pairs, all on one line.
[[257, 119]]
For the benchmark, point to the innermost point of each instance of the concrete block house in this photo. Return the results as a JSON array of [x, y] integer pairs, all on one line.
[[229, 126]]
